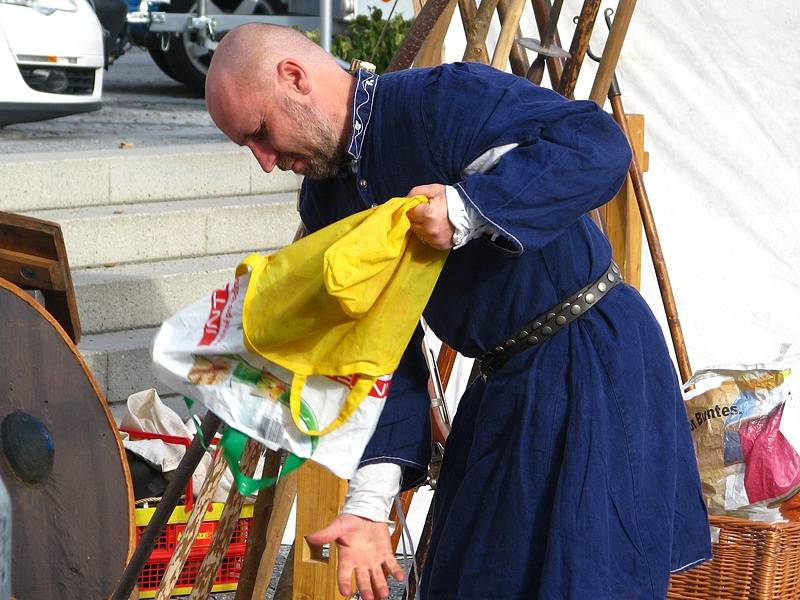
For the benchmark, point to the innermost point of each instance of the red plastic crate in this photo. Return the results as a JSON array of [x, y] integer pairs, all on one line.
[[230, 568]]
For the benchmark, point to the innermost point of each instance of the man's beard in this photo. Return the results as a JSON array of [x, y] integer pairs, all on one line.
[[327, 156]]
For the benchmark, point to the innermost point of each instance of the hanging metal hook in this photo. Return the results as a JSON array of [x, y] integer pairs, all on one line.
[[607, 14]]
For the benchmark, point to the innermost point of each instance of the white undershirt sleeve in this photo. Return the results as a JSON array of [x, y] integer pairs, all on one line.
[[467, 222], [372, 490]]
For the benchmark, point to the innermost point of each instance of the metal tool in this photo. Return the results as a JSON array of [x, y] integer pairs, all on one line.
[[545, 47]]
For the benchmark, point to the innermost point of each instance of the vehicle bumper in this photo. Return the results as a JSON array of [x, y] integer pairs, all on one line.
[[24, 112]]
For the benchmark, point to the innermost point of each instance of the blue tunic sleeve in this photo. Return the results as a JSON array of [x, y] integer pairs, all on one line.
[[403, 435], [571, 156]]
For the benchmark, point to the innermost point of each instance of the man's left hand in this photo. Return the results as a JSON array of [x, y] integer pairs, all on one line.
[[365, 550], [429, 221]]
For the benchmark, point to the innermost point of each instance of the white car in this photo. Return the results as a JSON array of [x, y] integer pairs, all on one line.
[[51, 59]]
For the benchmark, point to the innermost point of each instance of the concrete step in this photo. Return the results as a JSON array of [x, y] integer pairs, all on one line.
[[120, 362], [108, 235], [70, 179], [144, 294]]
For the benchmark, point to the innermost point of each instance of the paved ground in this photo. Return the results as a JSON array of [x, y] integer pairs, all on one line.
[[396, 589], [141, 107]]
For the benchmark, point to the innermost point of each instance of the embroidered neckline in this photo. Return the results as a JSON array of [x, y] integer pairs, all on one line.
[[363, 99]]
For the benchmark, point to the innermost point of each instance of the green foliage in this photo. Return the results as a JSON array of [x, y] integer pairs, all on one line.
[[359, 38]]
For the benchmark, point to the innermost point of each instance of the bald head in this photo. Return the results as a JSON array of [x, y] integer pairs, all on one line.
[[265, 82], [247, 54]]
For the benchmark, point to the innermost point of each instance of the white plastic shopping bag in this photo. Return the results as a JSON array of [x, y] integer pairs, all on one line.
[[199, 353]]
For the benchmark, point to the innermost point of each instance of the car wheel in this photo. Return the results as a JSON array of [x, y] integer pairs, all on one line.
[[188, 60]]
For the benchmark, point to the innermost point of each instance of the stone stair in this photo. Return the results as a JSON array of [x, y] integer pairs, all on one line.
[[147, 232]]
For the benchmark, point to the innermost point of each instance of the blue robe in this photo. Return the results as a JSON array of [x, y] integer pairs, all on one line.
[[570, 473]]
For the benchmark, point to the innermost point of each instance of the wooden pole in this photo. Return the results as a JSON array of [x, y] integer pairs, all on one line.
[[227, 523], [432, 51], [622, 217], [189, 462], [257, 577], [654, 243], [518, 57], [578, 48], [535, 73], [507, 32], [423, 24], [189, 535], [475, 29], [555, 65], [256, 538], [405, 503], [611, 52]]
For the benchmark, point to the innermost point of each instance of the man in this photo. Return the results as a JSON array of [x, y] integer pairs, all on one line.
[[569, 472]]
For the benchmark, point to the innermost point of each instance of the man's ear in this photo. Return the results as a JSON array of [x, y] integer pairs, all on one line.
[[294, 75]]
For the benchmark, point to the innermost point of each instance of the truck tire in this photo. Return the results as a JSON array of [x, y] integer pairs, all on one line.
[[189, 61]]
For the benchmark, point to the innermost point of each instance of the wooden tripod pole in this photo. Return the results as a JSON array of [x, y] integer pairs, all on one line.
[[169, 500], [578, 48], [508, 31], [541, 14], [654, 243], [611, 52], [423, 24], [264, 539], [227, 523], [189, 535]]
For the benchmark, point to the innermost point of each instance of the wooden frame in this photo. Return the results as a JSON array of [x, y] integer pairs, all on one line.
[[33, 257]]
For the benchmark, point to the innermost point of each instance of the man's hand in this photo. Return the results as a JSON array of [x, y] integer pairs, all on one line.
[[364, 547], [429, 221]]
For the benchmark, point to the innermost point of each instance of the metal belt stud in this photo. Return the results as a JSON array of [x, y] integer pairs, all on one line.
[[551, 322]]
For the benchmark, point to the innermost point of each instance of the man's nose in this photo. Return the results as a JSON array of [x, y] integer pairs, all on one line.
[[265, 155]]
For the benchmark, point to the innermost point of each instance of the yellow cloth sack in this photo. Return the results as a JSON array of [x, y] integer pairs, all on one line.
[[344, 300]]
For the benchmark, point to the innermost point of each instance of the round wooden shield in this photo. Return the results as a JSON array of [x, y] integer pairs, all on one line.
[[62, 462]]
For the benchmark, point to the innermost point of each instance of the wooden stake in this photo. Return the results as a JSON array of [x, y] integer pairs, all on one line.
[[256, 538], [611, 52], [227, 523], [518, 57], [654, 243], [507, 32], [469, 11], [432, 51], [269, 539], [475, 31], [423, 24], [184, 547], [578, 48], [169, 500], [555, 65]]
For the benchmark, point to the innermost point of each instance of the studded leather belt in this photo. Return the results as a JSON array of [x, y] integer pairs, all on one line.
[[539, 330]]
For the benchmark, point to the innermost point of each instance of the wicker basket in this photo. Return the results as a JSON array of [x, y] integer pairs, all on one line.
[[752, 561]]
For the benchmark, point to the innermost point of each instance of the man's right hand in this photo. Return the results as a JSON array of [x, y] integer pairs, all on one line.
[[365, 548]]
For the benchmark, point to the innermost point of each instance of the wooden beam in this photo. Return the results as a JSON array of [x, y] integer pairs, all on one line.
[[319, 496], [432, 51], [622, 217]]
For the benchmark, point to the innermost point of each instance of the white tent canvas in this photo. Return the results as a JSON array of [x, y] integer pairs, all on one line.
[[719, 85]]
